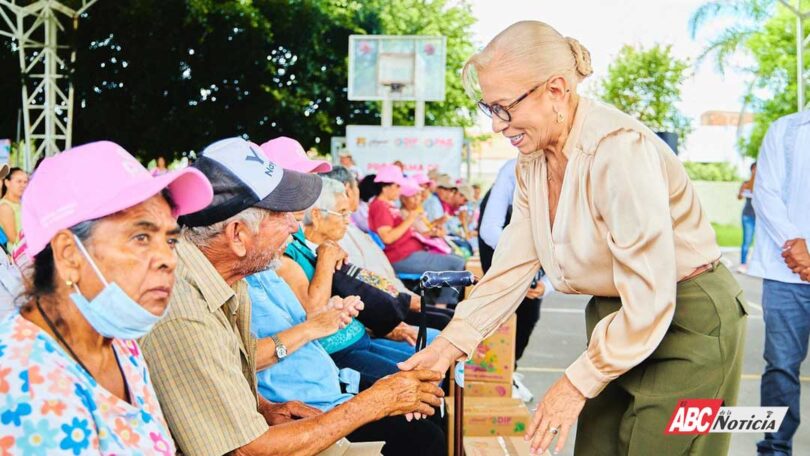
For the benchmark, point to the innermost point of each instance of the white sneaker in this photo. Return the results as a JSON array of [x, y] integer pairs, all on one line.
[[520, 391], [742, 269]]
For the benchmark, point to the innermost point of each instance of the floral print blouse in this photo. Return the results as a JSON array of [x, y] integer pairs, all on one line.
[[51, 405]]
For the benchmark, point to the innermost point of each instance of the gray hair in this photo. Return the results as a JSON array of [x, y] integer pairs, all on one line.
[[342, 174], [330, 190], [201, 236]]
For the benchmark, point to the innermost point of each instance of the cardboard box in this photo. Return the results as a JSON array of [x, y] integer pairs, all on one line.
[[474, 266], [491, 416], [345, 448], [497, 446], [494, 359], [487, 389]]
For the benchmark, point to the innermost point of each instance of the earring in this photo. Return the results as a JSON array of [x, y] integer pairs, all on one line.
[[560, 116], [69, 283]]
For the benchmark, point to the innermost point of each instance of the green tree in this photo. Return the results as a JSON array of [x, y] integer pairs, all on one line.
[[762, 36], [646, 83], [165, 77]]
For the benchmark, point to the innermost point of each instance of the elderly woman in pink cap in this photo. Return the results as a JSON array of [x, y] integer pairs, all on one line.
[[102, 232]]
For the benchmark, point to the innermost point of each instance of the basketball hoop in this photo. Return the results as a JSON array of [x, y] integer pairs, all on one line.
[[395, 87], [405, 68], [397, 68]]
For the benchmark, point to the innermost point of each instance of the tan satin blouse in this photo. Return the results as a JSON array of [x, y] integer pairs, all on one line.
[[628, 225]]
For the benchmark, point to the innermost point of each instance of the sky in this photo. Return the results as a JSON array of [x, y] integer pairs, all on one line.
[[605, 26]]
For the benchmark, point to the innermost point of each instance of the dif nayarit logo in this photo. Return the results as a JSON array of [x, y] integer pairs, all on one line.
[[702, 416]]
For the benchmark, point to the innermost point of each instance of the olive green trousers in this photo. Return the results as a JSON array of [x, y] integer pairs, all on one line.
[[700, 357]]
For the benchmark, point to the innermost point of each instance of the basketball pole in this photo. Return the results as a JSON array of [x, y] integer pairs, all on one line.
[[387, 111], [419, 114]]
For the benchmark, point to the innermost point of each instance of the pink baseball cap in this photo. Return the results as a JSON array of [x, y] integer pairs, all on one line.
[[409, 187], [391, 174], [96, 180], [421, 179], [289, 154]]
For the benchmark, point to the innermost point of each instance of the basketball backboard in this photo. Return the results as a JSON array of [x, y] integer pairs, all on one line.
[[397, 67]]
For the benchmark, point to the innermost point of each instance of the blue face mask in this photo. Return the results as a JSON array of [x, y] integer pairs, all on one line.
[[112, 313]]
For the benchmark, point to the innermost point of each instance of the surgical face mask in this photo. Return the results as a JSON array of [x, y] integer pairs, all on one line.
[[113, 313]]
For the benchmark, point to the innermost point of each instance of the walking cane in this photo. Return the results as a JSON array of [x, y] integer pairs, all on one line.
[[436, 280]]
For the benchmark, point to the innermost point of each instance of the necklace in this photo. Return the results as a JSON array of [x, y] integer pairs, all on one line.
[[52, 326], [59, 336]]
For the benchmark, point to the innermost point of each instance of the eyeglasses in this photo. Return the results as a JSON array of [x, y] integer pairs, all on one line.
[[343, 215], [502, 112]]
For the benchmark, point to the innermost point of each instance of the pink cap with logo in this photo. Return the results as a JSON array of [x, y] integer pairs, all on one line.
[[96, 180], [289, 154]]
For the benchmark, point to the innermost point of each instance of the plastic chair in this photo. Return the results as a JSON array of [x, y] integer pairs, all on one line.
[[409, 276], [377, 239]]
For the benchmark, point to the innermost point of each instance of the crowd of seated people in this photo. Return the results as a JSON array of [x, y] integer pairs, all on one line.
[[246, 304]]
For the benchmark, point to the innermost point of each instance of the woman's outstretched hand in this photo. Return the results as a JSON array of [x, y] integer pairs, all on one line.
[[555, 416]]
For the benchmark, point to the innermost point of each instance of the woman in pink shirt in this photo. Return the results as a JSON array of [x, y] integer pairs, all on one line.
[[408, 251]]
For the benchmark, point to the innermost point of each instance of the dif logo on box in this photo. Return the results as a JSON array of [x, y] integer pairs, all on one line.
[[704, 416]]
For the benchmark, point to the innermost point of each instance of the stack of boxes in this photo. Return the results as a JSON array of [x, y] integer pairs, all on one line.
[[494, 423]]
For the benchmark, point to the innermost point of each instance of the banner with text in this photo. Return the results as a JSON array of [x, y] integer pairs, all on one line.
[[419, 149]]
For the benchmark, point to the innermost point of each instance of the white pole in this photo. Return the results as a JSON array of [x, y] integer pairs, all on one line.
[[419, 114], [387, 112]]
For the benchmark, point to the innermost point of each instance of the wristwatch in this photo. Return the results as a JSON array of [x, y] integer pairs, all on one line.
[[281, 349]]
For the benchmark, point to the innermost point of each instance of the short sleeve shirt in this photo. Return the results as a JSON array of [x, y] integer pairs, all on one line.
[[382, 214], [202, 358], [308, 374], [50, 405]]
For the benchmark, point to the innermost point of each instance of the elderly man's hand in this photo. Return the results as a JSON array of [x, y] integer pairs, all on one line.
[[796, 256], [406, 392], [285, 412]]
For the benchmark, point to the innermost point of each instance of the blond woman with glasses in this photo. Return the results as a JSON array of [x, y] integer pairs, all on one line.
[[606, 209]]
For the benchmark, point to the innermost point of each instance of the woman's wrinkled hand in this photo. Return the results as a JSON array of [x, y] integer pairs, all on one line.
[[555, 416]]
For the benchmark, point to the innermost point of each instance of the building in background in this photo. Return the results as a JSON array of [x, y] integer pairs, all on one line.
[[715, 140]]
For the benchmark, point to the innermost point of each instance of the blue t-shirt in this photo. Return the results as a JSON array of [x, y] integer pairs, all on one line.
[[308, 374]]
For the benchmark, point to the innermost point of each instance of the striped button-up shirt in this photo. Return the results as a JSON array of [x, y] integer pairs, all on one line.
[[202, 359]]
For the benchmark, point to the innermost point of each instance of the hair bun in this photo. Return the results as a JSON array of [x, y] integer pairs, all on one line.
[[582, 57]]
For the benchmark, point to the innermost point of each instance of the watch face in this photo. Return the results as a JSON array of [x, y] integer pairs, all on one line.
[[281, 352]]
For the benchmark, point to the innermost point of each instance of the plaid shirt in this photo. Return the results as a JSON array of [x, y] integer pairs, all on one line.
[[202, 359]]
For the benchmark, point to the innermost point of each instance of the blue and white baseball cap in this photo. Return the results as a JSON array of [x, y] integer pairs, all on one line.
[[243, 177]]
